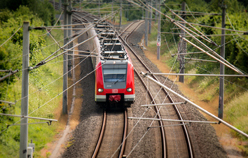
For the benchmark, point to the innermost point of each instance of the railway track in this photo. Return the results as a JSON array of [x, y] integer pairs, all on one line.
[[114, 122], [114, 125], [113, 133], [175, 139], [171, 146], [114, 129]]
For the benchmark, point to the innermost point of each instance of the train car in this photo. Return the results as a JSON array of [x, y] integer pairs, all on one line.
[[114, 74]]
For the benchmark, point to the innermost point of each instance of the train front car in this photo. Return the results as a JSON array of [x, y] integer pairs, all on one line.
[[115, 83], [114, 73]]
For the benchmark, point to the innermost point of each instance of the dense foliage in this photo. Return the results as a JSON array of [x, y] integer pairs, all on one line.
[[42, 8], [10, 88], [236, 47]]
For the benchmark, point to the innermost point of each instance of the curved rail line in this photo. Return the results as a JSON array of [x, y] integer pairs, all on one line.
[[99, 142], [150, 94], [190, 149], [124, 135], [100, 139]]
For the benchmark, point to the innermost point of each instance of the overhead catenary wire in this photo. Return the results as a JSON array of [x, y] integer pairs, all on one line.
[[54, 39], [57, 28], [180, 25], [53, 97], [219, 46], [224, 79], [242, 87], [57, 20], [213, 27], [149, 126], [207, 75], [86, 29], [198, 107], [67, 50], [98, 8], [192, 15], [197, 34], [11, 73], [193, 12], [236, 34], [11, 36], [213, 61], [5, 70], [48, 27], [206, 38], [212, 56], [144, 134], [221, 35], [67, 88], [43, 61], [156, 96], [18, 121], [7, 102], [138, 5], [33, 52]]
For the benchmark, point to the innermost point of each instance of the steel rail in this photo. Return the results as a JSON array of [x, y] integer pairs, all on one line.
[[99, 142], [124, 135], [163, 135], [101, 135], [170, 98]]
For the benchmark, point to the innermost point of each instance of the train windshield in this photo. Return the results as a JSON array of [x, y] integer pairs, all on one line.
[[114, 76]]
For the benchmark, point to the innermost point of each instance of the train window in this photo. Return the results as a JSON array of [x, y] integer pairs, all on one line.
[[114, 75]]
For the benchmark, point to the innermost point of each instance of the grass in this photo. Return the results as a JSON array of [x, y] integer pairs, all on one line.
[[236, 113], [41, 90]]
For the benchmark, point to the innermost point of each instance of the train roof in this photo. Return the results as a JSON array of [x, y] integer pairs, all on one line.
[[111, 46]]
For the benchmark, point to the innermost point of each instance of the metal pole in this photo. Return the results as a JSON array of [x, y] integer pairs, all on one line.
[[156, 16], [112, 10], [159, 31], [24, 102], [69, 35], [150, 20], [222, 67], [120, 13], [182, 48], [146, 27], [142, 14], [65, 64], [99, 9], [60, 4]]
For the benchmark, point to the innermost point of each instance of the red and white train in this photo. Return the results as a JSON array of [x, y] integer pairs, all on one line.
[[114, 75]]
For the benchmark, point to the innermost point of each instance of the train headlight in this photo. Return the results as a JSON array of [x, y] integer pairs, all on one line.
[[100, 90], [129, 89]]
